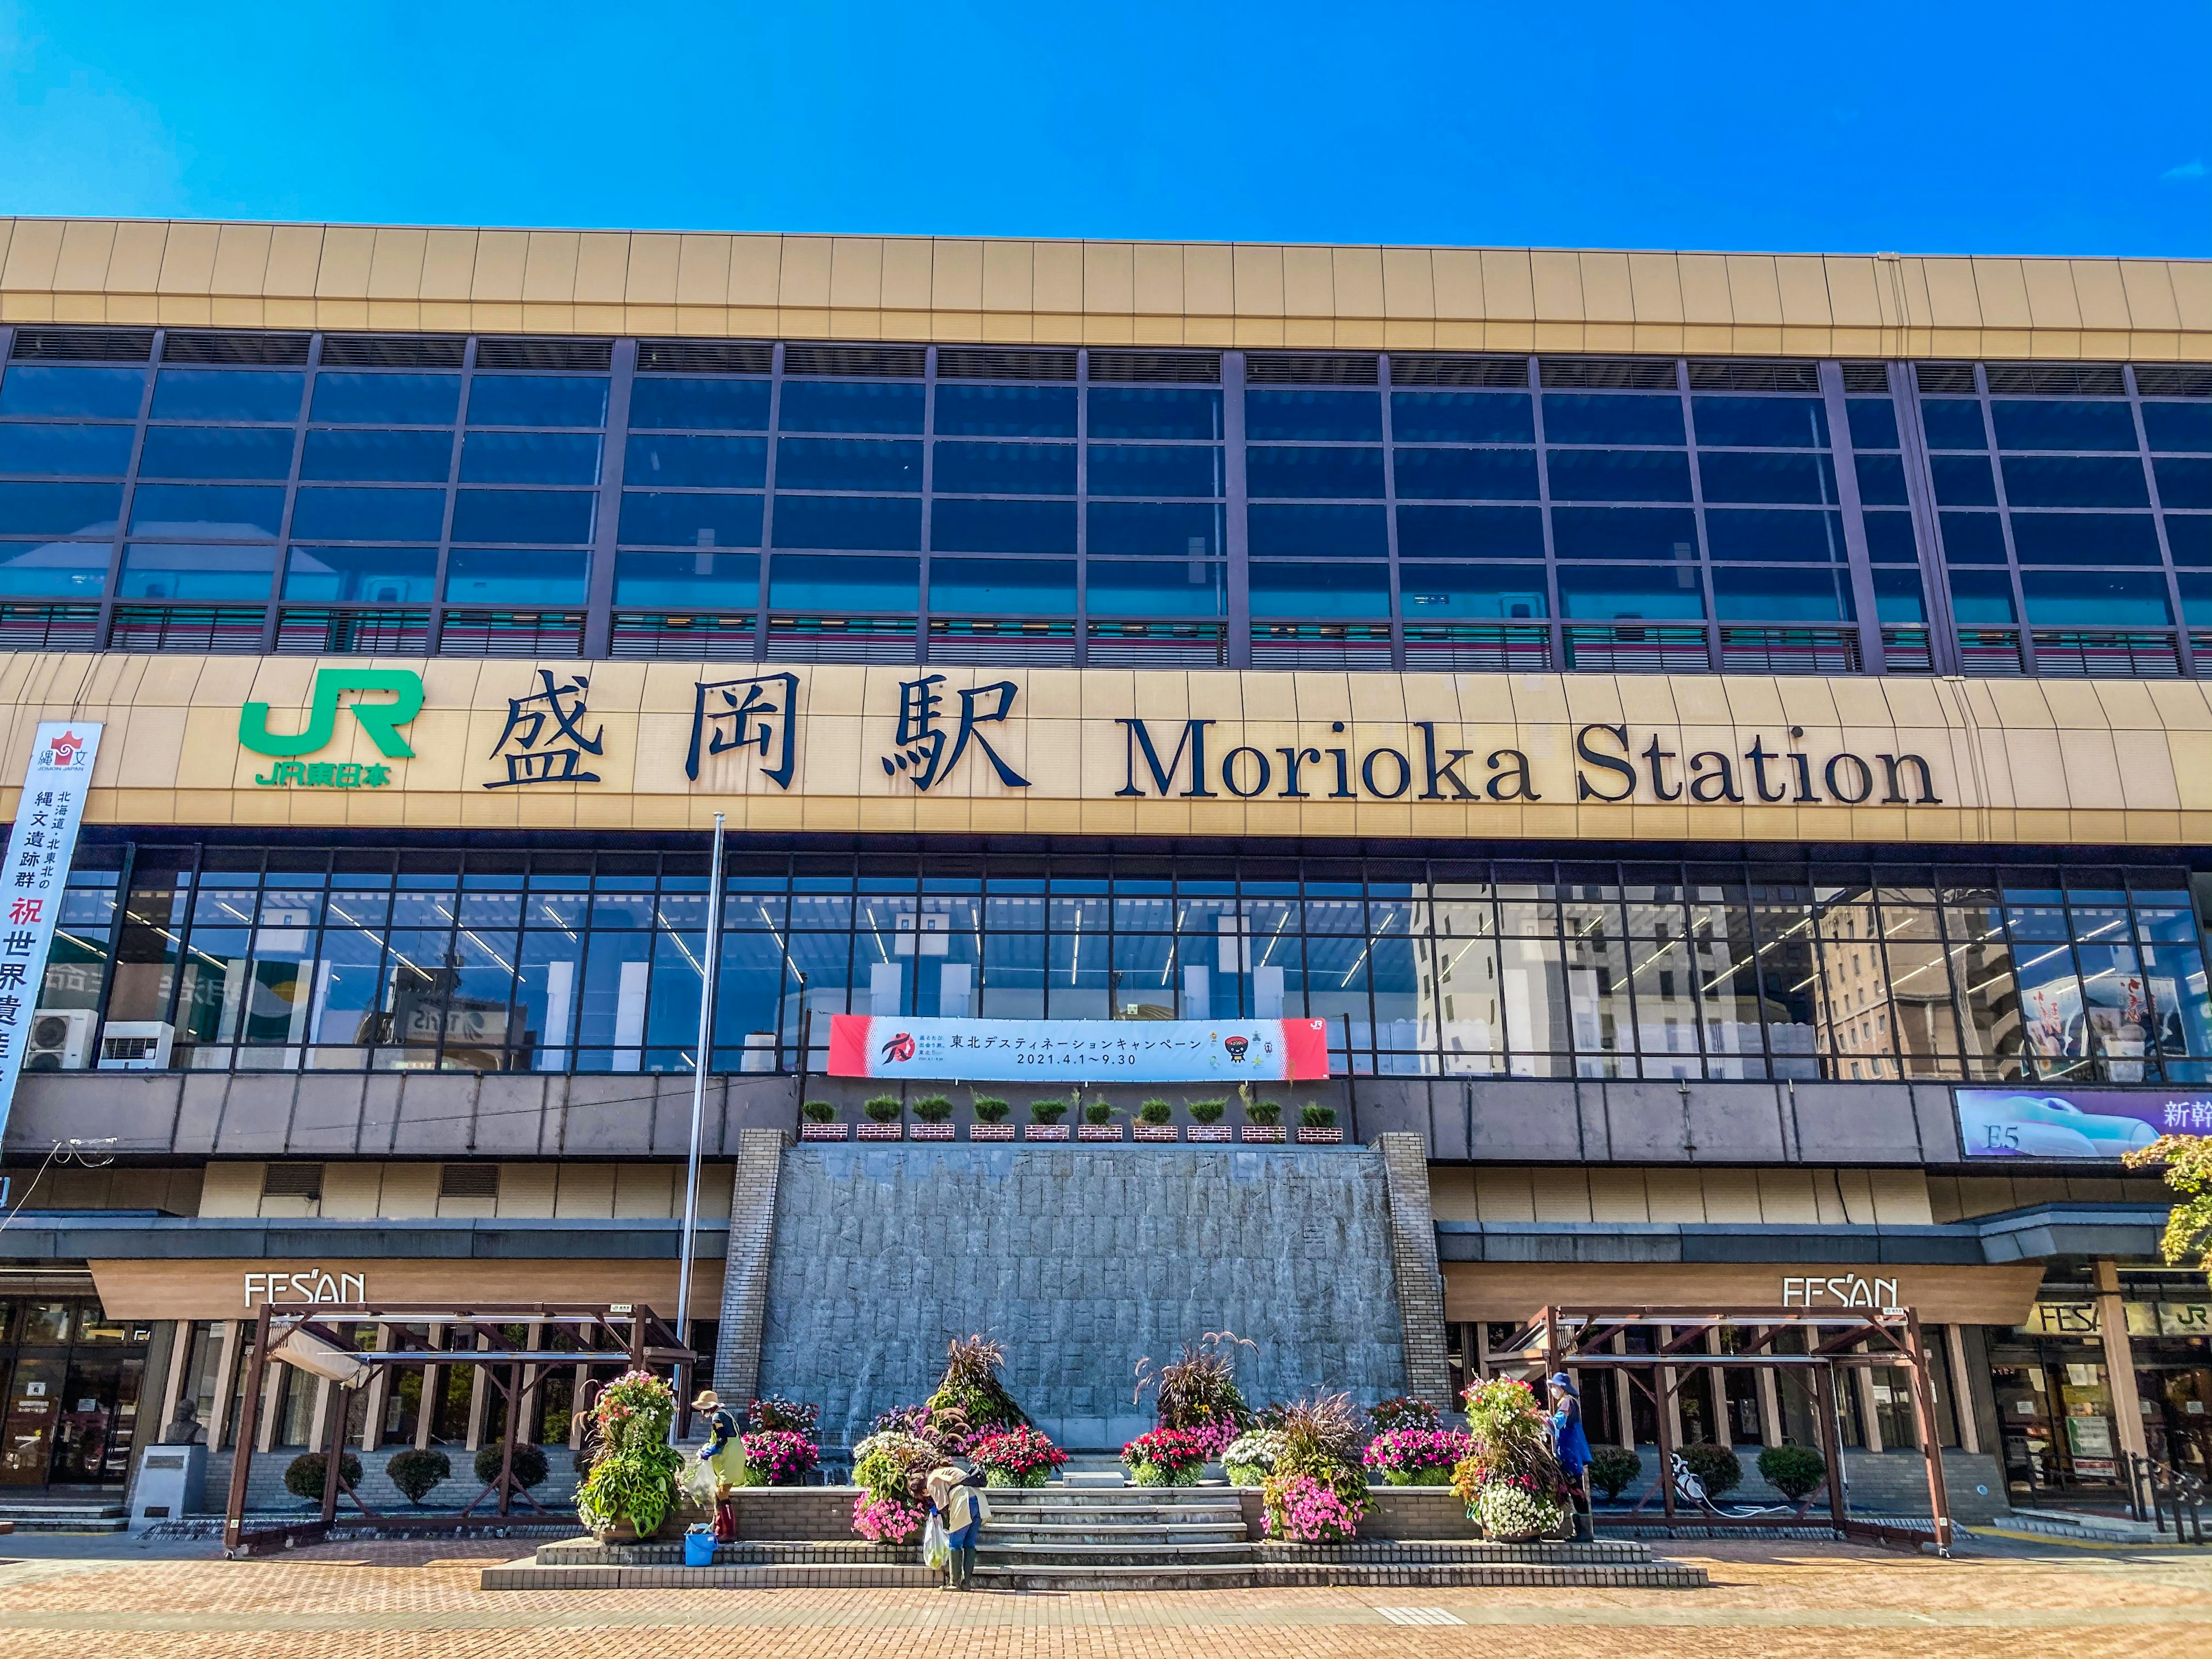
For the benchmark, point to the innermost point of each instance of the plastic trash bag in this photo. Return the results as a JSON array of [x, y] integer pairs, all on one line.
[[936, 1548]]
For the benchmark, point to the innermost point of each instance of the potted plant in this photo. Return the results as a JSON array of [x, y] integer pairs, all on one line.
[[1318, 1491], [1165, 1457], [1206, 1124], [1249, 1459], [1417, 1458], [935, 1112], [631, 1491], [821, 1122], [1098, 1122], [1317, 1126], [1263, 1119], [1016, 1457], [779, 1457], [885, 1122], [1044, 1122], [1155, 1120], [1510, 1482], [891, 1466], [990, 1122]]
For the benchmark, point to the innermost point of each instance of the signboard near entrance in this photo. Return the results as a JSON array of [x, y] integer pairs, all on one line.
[[39, 848], [1079, 1050]]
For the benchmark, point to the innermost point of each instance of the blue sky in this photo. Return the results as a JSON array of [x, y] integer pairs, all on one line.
[[2023, 128]]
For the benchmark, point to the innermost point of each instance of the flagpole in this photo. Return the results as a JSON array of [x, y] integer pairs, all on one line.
[[709, 966]]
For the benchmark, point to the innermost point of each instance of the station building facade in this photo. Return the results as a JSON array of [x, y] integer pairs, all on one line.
[[1680, 720]]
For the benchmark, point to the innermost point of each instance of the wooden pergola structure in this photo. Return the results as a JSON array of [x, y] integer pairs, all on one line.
[[628, 1336], [1580, 1338]]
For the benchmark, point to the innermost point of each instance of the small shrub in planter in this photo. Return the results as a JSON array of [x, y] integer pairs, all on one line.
[[529, 1464], [1097, 1112], [1165, 1457], [1016, 1457], [819, 1111], [932, 1108], [1796, 1472], [1266, 1113], [304, 1475], [1614, 1470], [883, 1109], [1314, 1115], [1154, 1112], [1207, 1111], [416, 1473], [990, 1109], [1048, 1111], [1716, 1466]]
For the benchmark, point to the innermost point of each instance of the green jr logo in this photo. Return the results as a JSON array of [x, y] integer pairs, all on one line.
[[381, 721]]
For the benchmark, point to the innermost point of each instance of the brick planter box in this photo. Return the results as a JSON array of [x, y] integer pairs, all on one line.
[[880, 1131], [1253, 1134], [1309, 1136], [1099, 1132], [824, 1131], [1156, 1132], [990, 1132], [930, 1131], [1210, 1133], [1044, 1132]]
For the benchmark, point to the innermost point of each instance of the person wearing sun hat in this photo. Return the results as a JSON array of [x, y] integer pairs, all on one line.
[[1572, 1446], [723, 1457]]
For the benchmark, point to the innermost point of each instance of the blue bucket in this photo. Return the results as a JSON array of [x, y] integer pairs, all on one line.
[[699, 1548]]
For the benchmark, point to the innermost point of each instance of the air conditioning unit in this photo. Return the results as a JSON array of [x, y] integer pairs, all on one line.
[[137, 1045], [61, 1040]]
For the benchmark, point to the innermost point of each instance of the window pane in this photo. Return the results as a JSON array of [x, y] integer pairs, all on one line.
[[847, 464], [1188, 529], [393, 399], [2190, 536], [1898, 597], [1438, 592], [396, 456], [546, 458], [65, 451], [1981, 596], [59, 509], [717, 581], [1009, 411], [2040, 424], [1320, 589], [1881, 481], [1004, 469], [506, 577], [1816, 538], [523, 515], [834, 585], [1012, 587], [1964, 480], [1342, 533], [1737, 477], [715, 404], [850, 406], [380, 576], [536, 400], [958, 526], [56, 570], [369, 515], [1351, 416], [1972, 538], [1314, 472], [1156, 587], [1760, 423], [2074, 481], [1624, 533], [2091, 599], [1155, 412], [1571, 418], [214, 451], [1154, 470], [154, 572], [1874, 422], [215, 394], [1628, 594], [1953, 423], [847, 521], [1890, 539], [1474, 417], [2084, 538], [101, 394], [1467, 475], [2184, 483], [2169, 426], [707, 463], [1619, 475], [206, 510], [654, 519], [1470, 532], [1771, 595]]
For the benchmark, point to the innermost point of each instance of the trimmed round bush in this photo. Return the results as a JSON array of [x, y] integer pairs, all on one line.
[[1614, 1470], [530, 1466], [1716, 1466], [417, 1473], [819, 1111], [1796, 1472], [304, 1475]]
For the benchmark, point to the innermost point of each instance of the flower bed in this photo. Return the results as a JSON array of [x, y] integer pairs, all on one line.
[[1304, 1509], [1017, 1457], [1249, 1459], [889, 1520], [1418, 1458], [1510, 1479], [1166, 1457], [781, 1457]]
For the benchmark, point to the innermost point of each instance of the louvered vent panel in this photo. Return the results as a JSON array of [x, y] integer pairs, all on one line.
[[1609, 373], [292, 1181], [191, 346], [2175, 379], [2057, 381], [468, 1180], [393, 350], [1458, 371], [587, 355], [1755, 374], [83, 345], [704, 357], [1311, 368], [1951, 379], [876, 362], [970, 363], [1866, 377], [1183, 368]]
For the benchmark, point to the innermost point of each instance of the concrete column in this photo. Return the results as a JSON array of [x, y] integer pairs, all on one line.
[[173, 1380], [1863, 1380], [1962, 1391], [319, 1421], [577, 1416], [1770, 1404], [479, 1396], [225, 1384], [1673, 1398], [1717, 1380], [432, 1376], [1624, 1395], [744, 1273], [1414, 1264], [2119, 1361], [379, 1384]]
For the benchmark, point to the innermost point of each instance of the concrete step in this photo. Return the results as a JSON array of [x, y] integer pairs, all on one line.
[[2075, 1524], [1103, 1533], [1151, 1575], [65, 1514], [1131, 1499], [530, 1574], [1111, 1555]]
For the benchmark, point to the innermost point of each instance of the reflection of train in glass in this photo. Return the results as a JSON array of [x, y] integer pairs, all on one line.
[[1998, 1125]]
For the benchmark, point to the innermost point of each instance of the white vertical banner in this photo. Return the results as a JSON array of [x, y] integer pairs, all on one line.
[[31, 881]]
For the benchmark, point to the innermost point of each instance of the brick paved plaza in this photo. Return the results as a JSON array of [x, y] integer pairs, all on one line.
[[374, 1600]]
